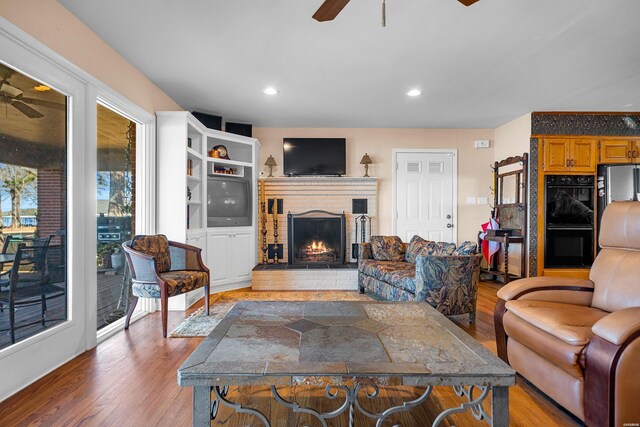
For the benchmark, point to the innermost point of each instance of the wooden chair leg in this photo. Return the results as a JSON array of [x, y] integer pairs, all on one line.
[[132, 307], [165, 312]]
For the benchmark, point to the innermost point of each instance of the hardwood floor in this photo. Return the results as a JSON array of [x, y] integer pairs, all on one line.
[[130, 380]]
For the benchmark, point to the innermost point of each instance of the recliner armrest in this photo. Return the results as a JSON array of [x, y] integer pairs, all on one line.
[[548, 288], [618, 326]]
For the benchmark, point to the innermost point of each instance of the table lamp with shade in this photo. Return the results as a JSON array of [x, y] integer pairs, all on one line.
[[271, 162], [366, 161]]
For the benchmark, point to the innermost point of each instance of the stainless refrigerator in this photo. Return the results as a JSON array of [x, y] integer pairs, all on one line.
[[617, 183]]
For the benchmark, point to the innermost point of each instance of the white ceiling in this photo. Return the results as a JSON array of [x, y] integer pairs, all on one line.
[[478, 66]]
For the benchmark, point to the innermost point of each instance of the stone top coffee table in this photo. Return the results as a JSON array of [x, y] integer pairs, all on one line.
[[352, 348]]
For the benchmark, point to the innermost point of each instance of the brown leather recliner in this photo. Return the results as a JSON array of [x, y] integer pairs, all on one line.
[[579, 340]]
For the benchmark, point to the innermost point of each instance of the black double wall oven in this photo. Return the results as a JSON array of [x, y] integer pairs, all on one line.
[[569, 230]]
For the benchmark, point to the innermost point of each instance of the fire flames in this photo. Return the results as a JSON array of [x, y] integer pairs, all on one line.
[[317, 248]]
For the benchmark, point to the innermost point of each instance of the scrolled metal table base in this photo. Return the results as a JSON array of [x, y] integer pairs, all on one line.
[[352, 403]]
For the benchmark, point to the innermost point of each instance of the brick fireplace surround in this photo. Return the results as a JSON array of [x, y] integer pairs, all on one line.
[[301, 194]]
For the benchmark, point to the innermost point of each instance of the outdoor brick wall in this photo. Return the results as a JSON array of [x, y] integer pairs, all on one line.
[[332, 194], [52, 203]]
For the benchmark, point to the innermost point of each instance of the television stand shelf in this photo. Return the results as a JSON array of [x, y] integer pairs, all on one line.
[[183, 167], [215, 163]]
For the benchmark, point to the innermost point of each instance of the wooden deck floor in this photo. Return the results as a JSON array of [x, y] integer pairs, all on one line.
[[130, 380], [28, 317]]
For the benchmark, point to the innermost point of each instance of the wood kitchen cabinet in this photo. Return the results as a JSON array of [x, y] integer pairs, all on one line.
[[569, 155], [556, 154], [619, 151]]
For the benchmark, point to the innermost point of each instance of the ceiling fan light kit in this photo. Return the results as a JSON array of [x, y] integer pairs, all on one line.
[[332, 8], [13, 96]]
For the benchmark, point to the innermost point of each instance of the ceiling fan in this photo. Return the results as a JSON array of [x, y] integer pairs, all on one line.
[[331, 8], [11, 95]]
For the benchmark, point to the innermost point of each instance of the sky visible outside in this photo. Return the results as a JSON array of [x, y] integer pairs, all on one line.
[[30, 202]]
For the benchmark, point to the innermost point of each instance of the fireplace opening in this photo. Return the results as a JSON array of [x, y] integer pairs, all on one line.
[[316, 237]]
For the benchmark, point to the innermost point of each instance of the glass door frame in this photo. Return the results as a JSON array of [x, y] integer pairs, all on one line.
[[30, 359], [145, 193]]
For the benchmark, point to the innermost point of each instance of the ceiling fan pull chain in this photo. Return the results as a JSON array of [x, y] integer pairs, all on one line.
[[384, 13]]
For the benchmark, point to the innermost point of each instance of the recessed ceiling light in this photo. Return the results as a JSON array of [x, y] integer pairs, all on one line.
[[42, 88], [414, 92], [270, 91]]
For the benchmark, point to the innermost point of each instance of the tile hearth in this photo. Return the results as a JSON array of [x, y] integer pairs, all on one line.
[[285, 277]]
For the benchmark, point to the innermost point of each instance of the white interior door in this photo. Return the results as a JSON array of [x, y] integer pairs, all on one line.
[[425, 195]]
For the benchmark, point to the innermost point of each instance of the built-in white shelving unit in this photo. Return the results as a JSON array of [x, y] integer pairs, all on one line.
[[183, 166]]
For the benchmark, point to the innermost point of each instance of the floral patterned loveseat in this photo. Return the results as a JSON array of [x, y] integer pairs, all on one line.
[[439, 273]]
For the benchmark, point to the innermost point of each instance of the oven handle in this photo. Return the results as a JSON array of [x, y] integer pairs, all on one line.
[[570, 228], [590, 186]]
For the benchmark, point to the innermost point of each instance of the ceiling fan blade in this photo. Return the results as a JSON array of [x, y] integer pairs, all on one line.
[[329, 10], [10, 90], [48, 104], [26, 110], [468, 2]]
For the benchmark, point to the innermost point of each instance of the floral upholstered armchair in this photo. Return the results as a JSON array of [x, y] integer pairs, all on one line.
[[161, 269], [439, 273]]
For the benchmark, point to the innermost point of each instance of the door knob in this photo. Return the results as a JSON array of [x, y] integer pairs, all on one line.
[[449, 225]]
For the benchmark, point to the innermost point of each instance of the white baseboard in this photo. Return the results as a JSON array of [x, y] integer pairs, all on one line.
[[44, 374]]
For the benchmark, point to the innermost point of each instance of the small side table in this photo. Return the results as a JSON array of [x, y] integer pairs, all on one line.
[[505, 241]]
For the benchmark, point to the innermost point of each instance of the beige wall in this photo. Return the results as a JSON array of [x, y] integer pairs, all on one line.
[[474, 174], [52, 24], [512, 139]]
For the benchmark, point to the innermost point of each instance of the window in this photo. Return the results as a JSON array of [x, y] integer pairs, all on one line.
[[33, 193]]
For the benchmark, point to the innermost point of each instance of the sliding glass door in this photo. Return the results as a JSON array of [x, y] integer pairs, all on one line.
[[33, 194], [116, 208], [59, 153]]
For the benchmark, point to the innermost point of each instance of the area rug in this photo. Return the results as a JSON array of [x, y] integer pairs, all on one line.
[[200, 325]]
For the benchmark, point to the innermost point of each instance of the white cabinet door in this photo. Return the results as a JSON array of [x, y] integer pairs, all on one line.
[[219, 254], [202, 244], [199, 240], [242, 255]]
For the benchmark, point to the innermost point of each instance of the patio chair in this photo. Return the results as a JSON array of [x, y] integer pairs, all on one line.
[[161, 269], [9, 246], [28, 283], [11, 242]]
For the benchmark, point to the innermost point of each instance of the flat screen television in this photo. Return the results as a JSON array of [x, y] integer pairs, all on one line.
[[228, 202], [314, 156]]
